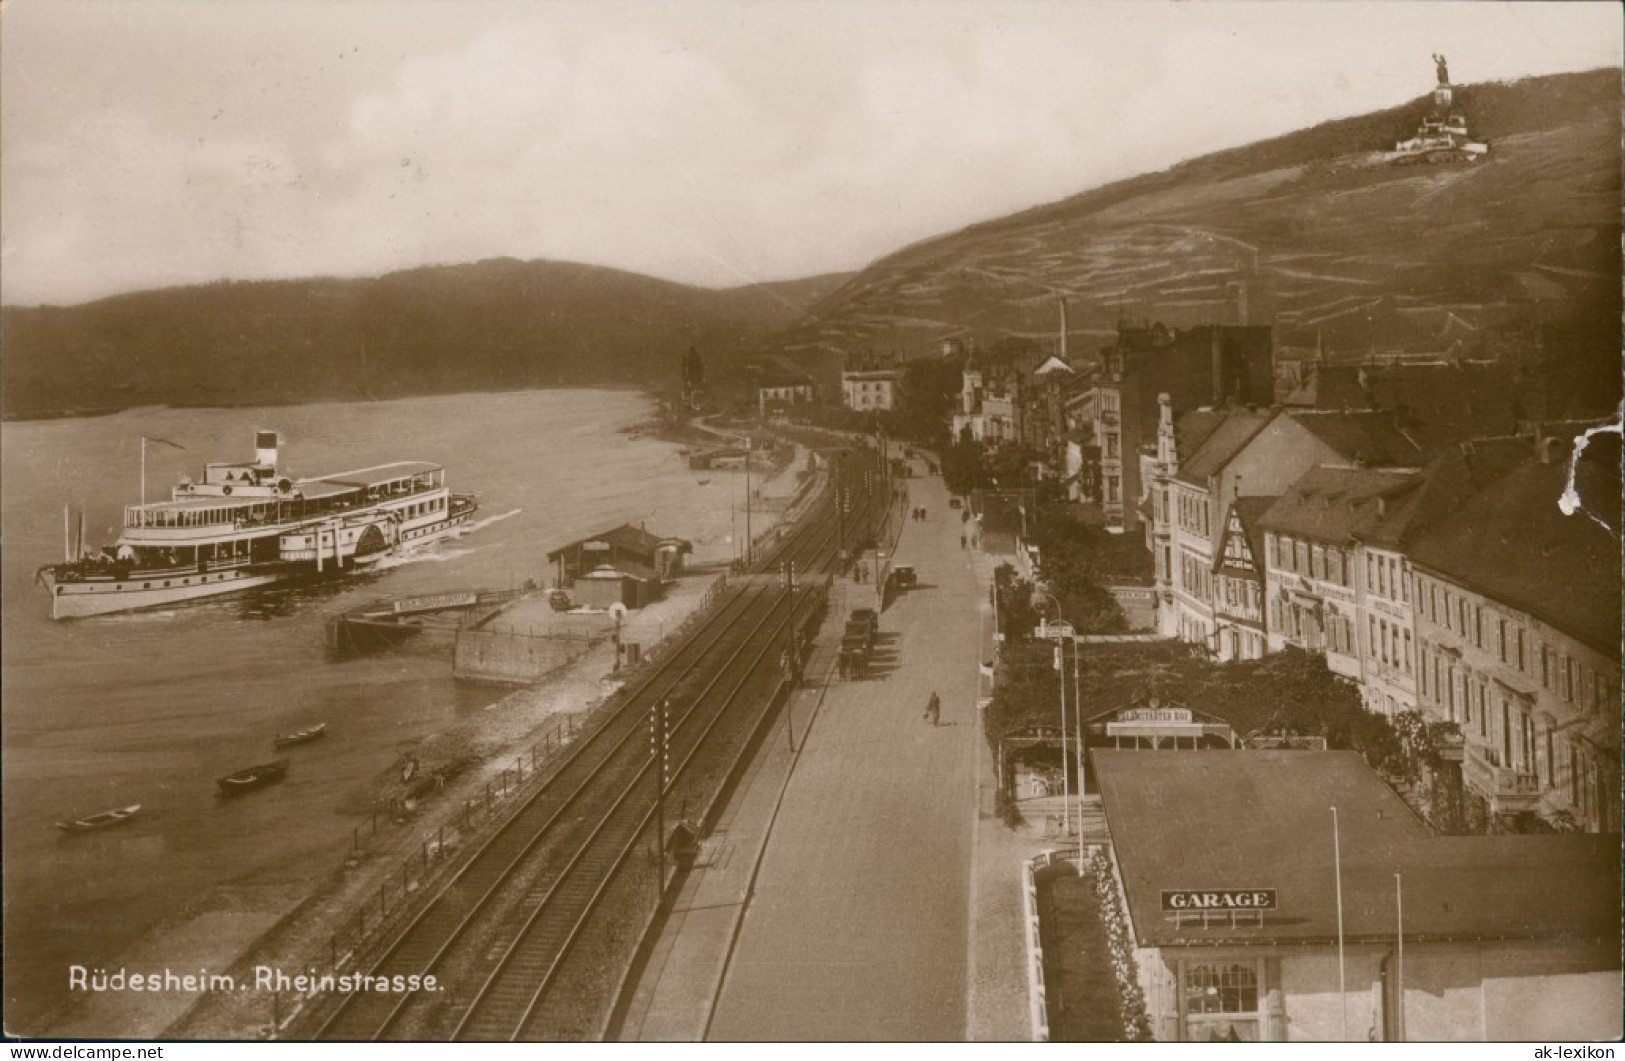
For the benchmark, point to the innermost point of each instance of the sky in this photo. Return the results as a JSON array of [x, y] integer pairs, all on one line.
[[145, 143]]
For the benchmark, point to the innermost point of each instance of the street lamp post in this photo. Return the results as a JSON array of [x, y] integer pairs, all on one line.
[[1077, 712]]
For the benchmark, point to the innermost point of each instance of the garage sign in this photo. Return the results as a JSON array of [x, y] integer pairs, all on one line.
[[1220, 899]]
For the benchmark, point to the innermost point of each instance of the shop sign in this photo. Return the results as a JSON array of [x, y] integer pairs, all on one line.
[[1154, 714], [1221, 899]]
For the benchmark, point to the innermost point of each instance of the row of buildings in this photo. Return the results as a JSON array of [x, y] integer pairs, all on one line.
[[1454, 583], [869, 384], [1087, 417], [1400, 517]]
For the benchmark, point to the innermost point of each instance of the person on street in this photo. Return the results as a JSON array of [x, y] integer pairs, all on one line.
[[933, 709]]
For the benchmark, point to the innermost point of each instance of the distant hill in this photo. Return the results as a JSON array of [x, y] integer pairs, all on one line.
[[493, 325], [1313, 231]]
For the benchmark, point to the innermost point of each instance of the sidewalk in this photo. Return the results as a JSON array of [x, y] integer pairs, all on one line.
[[998, 1010], [824, 903]]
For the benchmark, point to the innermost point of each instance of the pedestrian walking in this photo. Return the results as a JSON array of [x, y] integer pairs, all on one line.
[[933, 709], [961, 541]]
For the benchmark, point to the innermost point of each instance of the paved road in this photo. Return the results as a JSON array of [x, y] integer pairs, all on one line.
[[858, 925]]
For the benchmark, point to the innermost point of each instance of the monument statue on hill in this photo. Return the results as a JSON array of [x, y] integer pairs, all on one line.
[[1443, 68]]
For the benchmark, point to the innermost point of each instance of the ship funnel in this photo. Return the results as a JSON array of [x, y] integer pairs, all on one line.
[[265, 448]]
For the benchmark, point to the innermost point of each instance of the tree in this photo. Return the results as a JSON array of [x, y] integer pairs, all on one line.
[[1017, 616], [926, 401], [961, 464]]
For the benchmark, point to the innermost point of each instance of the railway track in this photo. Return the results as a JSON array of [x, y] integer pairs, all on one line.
[[513, 916]]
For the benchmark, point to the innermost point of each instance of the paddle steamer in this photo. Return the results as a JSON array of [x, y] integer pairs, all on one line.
[[246, 526]]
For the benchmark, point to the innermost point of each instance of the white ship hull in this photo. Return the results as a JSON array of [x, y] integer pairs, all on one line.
[[84, 598], [80, 600]]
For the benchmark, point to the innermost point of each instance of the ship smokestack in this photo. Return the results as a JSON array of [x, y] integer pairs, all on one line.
[[265, 443]]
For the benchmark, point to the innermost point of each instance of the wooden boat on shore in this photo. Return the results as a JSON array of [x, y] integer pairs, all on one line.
[[105, 820], [252, 778], [303, 736]]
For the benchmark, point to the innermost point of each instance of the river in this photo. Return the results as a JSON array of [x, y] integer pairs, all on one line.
[[150, 707]]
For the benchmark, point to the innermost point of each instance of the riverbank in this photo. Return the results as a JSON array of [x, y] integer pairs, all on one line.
[[301, 915]]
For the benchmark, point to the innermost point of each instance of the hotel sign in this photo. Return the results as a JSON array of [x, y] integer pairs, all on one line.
[[1220, 900], [1154, 714]]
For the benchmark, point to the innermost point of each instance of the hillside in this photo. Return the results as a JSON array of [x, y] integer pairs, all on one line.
[[494, 325], [1312, 230]]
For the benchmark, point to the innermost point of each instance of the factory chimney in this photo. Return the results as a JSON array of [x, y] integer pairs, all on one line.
[[1063, 329]]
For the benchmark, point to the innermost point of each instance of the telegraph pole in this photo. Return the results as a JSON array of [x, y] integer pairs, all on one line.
[[840, 506], [659, 749]]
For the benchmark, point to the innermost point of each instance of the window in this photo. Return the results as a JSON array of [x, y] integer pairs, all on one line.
[[1303, 558], [1334, 566], [1523, 660], [1317, 562], [1221, 1001], [1382, 578], [1407, 651], [1221, 988], [1569, 682]]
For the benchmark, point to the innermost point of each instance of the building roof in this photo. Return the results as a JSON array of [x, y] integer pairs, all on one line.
[[1508, 540], [1332, 503], [1262, 820], [1437, 403], [626, 540], [1193, 428], [1238, 428], [1370, 438]]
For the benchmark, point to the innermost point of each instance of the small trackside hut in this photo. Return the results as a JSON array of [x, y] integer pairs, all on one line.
[[626, 565]]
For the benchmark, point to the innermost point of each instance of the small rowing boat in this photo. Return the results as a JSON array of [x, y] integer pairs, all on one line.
[[303, 736], [104, 820], [252, 778]]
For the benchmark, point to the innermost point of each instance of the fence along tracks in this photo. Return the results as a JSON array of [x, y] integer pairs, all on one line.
[[522, 898]]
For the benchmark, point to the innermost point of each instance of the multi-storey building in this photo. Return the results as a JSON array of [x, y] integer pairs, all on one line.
[[1318, 570], [869, 388], [1249, 454], [1208, 365], [988, 407], [1517, 615]]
